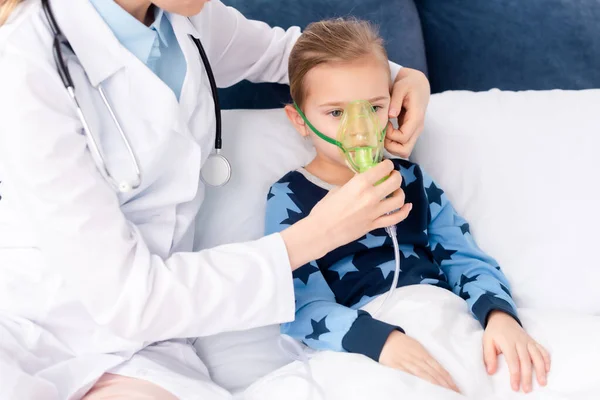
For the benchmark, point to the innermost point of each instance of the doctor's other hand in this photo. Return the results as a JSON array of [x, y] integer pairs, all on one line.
[[410, 97], [406, 354], [504, 335], [348, 213]]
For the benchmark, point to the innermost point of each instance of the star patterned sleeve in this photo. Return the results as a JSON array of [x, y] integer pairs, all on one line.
[[321, 323], [472, 274]]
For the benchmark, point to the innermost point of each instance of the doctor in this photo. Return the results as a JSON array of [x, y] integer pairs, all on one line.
[[99, 288]]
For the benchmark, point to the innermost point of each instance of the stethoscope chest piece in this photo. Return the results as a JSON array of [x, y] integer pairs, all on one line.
[[216, 170]]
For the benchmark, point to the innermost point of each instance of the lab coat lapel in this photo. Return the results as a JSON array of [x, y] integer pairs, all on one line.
[[97, 49], [183, 29], [196, 102], [102, 56], [154, 100], [160, 102]]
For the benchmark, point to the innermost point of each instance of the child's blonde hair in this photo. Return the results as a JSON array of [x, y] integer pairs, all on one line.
[[335, 40]]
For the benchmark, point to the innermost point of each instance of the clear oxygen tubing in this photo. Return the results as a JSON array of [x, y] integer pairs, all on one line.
[[391, 231]]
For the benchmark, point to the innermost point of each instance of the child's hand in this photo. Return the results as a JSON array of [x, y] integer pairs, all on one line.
[[503, 335], [406, 354]]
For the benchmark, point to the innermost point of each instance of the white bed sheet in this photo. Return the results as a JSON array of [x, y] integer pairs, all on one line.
[[442, 323]]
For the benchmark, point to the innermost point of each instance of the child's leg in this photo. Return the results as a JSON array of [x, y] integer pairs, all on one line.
[[347, 376], [344, 376], [442, 323]]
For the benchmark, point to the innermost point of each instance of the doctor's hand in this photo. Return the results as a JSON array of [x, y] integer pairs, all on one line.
[[348, 213], [410, 97], [504, 335], [406, 354]]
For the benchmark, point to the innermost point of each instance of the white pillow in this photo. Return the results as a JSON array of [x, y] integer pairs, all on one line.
[[261, 146], [524, 169]]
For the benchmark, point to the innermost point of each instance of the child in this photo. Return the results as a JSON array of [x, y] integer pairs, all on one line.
[[334, 63]]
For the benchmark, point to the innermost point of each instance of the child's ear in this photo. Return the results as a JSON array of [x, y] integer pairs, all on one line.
[[296, 120]]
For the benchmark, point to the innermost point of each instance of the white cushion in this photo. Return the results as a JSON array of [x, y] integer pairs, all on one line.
[[524, 169], [261, 146]]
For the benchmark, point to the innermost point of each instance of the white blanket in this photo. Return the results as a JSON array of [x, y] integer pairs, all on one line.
[[442, 323]]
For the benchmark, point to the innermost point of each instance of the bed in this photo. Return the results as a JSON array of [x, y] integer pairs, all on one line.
[[512, 134]]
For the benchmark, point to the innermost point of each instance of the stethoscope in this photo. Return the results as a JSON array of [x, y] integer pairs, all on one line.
[[216, 170]]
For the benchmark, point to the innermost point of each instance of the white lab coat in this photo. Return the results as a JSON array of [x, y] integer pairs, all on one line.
[[89, 278]]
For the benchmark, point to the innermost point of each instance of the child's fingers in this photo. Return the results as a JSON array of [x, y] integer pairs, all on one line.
[[526, 369], [538, 363], [427, 373], [514, 367], [545, 355], [443, 373], [490, 357]]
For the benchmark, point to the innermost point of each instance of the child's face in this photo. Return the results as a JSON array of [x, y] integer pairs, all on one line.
[[330, 87]]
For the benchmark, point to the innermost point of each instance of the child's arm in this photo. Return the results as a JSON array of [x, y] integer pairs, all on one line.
[[320, 322], [473, 275], [476, 277], [323, 324]]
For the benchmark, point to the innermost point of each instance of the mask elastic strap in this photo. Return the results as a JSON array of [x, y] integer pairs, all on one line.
[[315, 130]]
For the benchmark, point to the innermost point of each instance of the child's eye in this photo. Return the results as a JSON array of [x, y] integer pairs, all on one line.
[[336, 113], [377, 108]]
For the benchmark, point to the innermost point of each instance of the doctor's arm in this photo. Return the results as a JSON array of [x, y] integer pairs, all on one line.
[[84, 236], [241, 48]]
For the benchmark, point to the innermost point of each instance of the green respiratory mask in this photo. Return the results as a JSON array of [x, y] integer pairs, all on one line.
[[359, 136]]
